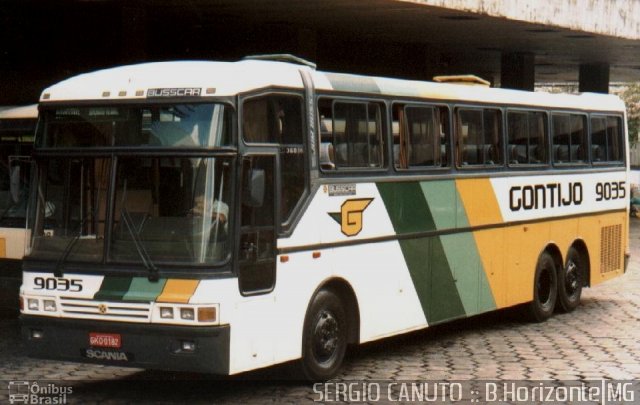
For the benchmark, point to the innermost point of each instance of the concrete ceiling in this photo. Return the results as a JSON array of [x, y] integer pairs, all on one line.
[[448, 36], [384, 37]]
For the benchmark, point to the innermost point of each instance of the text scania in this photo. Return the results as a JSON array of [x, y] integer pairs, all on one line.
[[541, 196], [106, 355]]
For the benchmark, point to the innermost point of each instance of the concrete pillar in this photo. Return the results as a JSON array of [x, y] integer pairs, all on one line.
[[594, 77], [517, 71]]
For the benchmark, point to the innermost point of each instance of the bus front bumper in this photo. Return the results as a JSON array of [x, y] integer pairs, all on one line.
[[160, 347]]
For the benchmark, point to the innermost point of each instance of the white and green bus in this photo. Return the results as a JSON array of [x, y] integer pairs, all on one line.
[[222, 217], [17, 129]]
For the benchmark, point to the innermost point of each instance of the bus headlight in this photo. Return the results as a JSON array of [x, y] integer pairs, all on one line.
[[187, 314], [166, 312], [33, 304], [49, 305]]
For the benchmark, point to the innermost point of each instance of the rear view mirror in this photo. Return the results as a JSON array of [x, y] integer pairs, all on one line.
[[15, 187]]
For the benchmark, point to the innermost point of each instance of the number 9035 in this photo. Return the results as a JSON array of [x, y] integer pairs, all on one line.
[[57, 284], [611, 190]]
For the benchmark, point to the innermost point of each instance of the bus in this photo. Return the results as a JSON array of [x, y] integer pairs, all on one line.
[[221, 217], [17, 130]]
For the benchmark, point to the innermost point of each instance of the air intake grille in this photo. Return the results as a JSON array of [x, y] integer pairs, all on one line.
[[610, 248], [111, 311]]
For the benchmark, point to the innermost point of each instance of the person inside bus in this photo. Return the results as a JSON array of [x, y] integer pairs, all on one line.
[[220, 210]]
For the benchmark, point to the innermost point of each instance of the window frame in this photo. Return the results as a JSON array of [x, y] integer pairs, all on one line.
[[458, 136], [623, 143], [284, 226], [547, 138], [585, 116], [448, 135], [384, 133], [41, 136]]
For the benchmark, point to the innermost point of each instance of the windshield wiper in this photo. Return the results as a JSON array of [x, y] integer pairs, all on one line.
[[57, 272], [142, 252]]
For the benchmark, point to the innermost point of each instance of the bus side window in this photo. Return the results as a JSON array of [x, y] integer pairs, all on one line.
[[527, 135], [479, 135], [278, 119], [569, 138], [420, 136], [272, 119], [350, 134], [606, 139]]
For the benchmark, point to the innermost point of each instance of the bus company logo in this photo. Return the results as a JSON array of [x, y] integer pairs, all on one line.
[[350, 216], [102, 308], [26, 392], [174, 92]]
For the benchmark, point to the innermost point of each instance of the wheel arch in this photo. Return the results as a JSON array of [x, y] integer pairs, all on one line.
[[343, 289], [555, 252]]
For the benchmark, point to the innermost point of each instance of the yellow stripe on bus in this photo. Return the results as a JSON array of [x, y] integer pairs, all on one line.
[[479, 201], [178, 291]]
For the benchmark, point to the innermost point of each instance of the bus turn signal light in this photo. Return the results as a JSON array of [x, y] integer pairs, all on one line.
[[207, 314]]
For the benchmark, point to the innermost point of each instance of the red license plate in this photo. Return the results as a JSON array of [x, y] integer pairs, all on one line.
[[105, 340]]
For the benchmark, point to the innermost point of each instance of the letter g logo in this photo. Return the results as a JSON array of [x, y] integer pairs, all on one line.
[[350, 216]]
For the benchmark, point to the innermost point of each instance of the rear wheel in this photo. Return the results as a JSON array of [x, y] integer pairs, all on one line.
[[570, 281], [324, 339], [545, 288]]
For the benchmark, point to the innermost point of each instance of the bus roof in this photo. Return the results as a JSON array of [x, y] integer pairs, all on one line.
[[232, 78], [18, 112]]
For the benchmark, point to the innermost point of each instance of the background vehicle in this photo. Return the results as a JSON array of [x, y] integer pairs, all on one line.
[[223, 217], [17, 129]]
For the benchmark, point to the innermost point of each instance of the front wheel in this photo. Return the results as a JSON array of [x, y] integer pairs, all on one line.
[[570, 281], [545, 289], [324, 338]]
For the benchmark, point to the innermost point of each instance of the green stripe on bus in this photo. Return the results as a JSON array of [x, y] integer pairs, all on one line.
[[484, 301], [142, 289], [460, 249], [113, 288], [425, 257]]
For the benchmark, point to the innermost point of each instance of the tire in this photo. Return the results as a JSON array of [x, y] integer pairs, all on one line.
[[570, 281], [324, 338], [545, 289]]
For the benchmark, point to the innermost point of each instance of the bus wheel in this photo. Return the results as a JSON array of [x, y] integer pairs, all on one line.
[[545, 289], [570, 281], [324, 338]]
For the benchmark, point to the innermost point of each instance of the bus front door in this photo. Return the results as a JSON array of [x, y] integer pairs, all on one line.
[[257, 245]]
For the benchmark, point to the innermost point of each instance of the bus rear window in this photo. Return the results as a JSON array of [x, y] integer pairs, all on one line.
[[607, 143]]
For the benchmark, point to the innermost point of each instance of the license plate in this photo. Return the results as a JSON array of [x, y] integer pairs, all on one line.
[[112, 340]]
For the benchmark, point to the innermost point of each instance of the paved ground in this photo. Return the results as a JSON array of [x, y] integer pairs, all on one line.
[[601, 339]]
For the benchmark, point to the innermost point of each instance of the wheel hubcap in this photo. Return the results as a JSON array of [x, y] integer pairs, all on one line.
[[571, 277], [325, 336]]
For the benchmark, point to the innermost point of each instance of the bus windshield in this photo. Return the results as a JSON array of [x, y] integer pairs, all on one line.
[[164, 209], [16, 142], [151, 208], [177, 125]]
